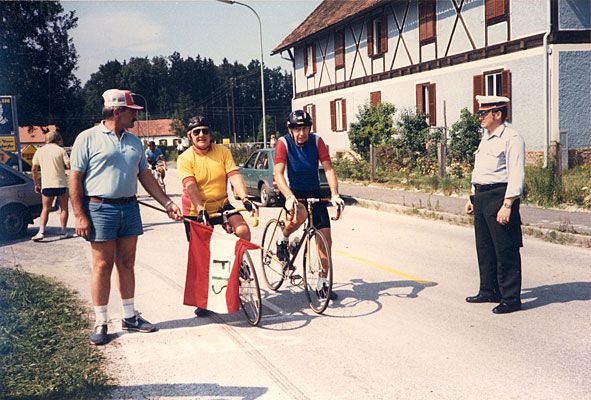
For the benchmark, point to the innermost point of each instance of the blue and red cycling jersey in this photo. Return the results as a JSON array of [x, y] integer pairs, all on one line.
[[302, 162]]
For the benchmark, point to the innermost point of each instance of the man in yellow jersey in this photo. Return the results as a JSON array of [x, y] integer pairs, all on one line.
[[205, 169]]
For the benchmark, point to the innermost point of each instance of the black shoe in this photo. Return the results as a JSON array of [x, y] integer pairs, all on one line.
[[480, 298], [99, 335], [201, 312], [137, 324], [244, 272], [282, 253], [505, 308]]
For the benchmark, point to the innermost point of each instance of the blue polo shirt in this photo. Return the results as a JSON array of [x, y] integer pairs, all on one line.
[[153, 156], [110, 165]]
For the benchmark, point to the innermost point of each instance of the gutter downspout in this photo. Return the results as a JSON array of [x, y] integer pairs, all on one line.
[[547, 53]]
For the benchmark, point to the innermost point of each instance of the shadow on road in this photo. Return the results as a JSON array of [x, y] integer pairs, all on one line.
[[559, 293], [188, 390]]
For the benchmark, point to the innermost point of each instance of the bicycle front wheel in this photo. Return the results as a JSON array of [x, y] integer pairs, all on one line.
[[272, 267], [317, 271], [249, 292]]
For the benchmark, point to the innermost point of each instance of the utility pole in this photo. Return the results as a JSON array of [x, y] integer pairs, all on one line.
[[232, 86]]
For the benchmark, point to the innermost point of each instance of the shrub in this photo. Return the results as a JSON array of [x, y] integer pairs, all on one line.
[[417, 142], [465, 137], [375, 126]]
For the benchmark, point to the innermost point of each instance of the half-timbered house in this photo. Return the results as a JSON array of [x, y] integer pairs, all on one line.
[[437, 55]]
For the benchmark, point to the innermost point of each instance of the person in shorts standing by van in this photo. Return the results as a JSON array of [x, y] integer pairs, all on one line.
[[53, 161]]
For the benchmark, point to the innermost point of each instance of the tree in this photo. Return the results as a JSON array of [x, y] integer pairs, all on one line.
[[37, 61], [417, 141], [375, 126], [465, 137]]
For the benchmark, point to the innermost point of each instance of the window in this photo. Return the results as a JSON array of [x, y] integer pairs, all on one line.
[[375, 98], [251, 161], [493, 83], [8, 179], [338, 115], [162, 142], [339, 49], [496, 11], [377, 36], [311, 109], [310, 60], [426, 101], [262, 162], [426, 20]]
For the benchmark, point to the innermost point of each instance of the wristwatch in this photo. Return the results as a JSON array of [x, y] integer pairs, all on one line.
[[506, 205]]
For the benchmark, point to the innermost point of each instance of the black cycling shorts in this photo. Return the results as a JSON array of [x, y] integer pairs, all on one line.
[[320, 218], [213, 221]]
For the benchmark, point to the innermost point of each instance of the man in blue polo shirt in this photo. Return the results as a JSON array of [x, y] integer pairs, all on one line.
[[107, 161], [153, 154]]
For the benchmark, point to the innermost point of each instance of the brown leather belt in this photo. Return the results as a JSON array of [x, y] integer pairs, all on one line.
[[484, 188], [121, 200]]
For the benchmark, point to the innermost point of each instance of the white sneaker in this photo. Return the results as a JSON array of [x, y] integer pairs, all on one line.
[[38, 237], [65, 235]]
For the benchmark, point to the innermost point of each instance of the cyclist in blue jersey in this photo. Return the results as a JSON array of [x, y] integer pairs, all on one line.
[[299, 153], [153, 154]]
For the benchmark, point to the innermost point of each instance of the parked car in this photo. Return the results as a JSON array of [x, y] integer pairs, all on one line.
[[13, 162], [19, 204], [257, 173]]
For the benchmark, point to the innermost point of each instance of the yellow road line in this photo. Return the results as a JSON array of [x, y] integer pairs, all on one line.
[[383, 268]]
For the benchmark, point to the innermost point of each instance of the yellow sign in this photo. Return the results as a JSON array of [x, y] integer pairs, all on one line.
[[226, 141], [3, 156], [8, 143], [28, 153]]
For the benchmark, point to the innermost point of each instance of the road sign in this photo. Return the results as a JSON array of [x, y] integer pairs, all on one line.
[[28, 153], [226, 141], [3, 156], [8, 143]]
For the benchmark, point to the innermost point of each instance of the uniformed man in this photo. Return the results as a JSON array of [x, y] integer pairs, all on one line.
[[497, 185]]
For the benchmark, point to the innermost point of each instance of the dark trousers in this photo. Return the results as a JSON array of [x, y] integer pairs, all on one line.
[[498, 246]]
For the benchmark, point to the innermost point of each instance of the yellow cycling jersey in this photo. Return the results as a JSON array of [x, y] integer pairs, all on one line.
[[210, 172]]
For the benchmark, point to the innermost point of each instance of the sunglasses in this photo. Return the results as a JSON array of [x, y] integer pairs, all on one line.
[[205, 131]]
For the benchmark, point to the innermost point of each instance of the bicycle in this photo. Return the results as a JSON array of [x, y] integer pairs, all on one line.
[[317, 259], [155, 167], [249, 290]]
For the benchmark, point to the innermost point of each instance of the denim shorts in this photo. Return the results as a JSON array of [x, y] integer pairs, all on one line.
[[113, 221]]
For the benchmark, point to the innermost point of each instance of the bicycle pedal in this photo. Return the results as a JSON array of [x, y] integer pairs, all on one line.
[[296, 279]]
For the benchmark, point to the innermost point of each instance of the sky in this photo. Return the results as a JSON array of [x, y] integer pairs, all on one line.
[[119, 30]]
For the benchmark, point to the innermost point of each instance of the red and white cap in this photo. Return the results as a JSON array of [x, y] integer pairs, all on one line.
[[119, 98]]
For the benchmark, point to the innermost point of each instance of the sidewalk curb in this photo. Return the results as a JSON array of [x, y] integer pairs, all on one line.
[[549, 235]]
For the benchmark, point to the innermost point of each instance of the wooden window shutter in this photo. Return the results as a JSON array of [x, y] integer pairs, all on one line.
[[344, 116], [490, 8], [506, 89], [384, 34], [370, 38], [314, 118], [306, 60], [420, 97], [478, 89], [375, 98], [333, 119], [314, 57], [432, 105]]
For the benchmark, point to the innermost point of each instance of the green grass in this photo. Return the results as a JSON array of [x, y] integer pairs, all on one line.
[[44, 347]]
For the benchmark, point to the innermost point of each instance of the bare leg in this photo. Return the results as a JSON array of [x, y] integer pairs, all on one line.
[[63, 200], [125, 260], [239, 226], [103, 256], [46, 201]]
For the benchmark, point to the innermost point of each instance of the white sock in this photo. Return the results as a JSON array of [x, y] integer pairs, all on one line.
[[42, 229], [101, 315], [128, 308], [320, 284]]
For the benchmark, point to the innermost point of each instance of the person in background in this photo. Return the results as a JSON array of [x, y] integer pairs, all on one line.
[[153, 154], [53, 161]]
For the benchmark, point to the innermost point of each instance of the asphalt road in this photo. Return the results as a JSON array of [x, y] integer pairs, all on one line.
[[400, 329]]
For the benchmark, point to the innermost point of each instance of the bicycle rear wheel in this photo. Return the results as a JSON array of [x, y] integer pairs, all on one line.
[[272, 267], [317, 269], [161, 183], [249, 292]]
